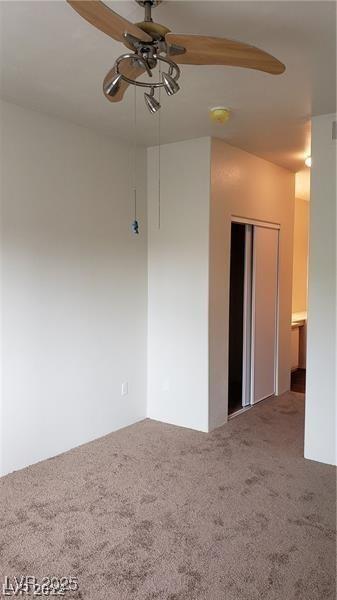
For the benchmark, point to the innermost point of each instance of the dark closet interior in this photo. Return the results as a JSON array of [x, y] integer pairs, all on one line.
[[236, 307]]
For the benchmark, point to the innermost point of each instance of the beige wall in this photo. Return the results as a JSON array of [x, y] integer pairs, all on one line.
[[300, 259], [246, 186], [302, 184]]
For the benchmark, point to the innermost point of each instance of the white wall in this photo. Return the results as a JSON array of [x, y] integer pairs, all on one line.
[[300, 256], [244, 185], [75, 286], [203, 183], [178, 284], [74, 291], [320, 421]]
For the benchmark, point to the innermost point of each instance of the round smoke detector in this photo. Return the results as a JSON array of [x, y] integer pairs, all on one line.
[[219, 114]]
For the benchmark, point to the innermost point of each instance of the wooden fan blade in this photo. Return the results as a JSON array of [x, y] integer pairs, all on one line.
[[202, 50], [133, 71], [108, 21]]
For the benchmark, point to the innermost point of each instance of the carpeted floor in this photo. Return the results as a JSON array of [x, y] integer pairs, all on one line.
[[156, 512]]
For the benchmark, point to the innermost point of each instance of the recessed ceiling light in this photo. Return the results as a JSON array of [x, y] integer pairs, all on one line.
[[308, 162]]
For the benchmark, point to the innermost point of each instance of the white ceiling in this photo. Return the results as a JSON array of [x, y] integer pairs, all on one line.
[[54, 61]]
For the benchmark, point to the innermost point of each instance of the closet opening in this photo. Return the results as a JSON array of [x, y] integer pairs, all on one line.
[[253, 314], [236, 306]]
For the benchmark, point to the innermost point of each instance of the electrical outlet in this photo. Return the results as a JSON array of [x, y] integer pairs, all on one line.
[[125, 388]]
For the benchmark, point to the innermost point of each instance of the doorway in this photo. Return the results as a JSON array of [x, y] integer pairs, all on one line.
[[253, 314], [236, 317]]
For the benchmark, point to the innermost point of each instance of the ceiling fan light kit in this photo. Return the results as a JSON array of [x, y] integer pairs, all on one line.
[[111, 88], [151, 102], [147, 61], [170, 84], [149, 41]]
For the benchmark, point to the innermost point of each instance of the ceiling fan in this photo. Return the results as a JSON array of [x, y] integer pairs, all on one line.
[[150, 43]]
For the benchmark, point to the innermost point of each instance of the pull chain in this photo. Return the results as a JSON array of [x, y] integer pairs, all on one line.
[[159, 156], [135, 225]]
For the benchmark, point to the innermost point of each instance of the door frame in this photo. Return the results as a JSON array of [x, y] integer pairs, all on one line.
[[247, 352]]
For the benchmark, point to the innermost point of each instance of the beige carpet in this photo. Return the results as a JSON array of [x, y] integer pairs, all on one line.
[[157, 512]]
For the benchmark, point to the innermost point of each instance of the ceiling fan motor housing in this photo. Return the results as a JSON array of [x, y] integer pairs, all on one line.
[[153, 3], [155, 30]]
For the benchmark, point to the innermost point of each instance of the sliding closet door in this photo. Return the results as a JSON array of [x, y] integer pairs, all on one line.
[[264, 312], [247, 319]]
